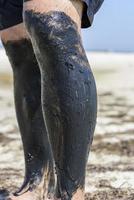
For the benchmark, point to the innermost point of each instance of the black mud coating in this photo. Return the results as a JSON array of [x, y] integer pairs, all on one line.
[[27, 92], [68, 95], [4, 194]]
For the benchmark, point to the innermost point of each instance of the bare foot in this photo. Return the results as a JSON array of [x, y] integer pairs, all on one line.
[[26, 196], [79, 195]]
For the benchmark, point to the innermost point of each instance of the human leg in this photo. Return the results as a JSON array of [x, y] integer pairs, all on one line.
[[27, 92], [68, 88]]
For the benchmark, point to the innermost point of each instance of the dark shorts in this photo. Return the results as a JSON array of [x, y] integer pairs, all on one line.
[[11, 12]]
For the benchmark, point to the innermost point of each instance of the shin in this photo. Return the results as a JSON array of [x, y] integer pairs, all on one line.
[[27, 92], [68, 95]]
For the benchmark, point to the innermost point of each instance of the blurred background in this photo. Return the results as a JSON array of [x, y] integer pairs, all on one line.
[[113, 28], [109, 45]]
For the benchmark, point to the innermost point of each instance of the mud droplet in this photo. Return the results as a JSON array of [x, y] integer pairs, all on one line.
[[87, 82], [81, 71], [69, 65]]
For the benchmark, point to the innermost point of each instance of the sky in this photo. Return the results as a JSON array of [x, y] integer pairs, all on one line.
[[113, 27]]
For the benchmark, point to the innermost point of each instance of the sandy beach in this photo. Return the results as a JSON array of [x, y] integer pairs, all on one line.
[[110, 170]]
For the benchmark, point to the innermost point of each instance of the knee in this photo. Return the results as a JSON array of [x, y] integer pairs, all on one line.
[[55, 35], [20, 53], [53, 28], [14, 33], [17, 45]]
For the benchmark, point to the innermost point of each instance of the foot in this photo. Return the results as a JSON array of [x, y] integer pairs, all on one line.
[[26, 196], [29, 196], [79, 195]]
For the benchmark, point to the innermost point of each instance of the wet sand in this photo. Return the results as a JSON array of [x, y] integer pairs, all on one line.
[[110, 170]]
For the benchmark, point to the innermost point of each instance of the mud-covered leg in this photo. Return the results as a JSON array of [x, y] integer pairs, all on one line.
[[68, 93], [27, 92]]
